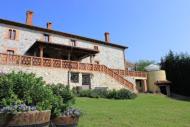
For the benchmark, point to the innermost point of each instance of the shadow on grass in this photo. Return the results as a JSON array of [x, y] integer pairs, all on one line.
[[179, 97]]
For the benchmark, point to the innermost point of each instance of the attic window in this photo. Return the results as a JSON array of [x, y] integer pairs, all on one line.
[[96, 47], [46, 38], [73, 42], [12, 34]]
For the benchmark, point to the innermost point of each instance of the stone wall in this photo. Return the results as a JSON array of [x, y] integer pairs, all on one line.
[[110, 56], [54, 75]]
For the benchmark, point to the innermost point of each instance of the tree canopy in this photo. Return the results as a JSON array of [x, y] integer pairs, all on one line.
[[141, 64], [177, 67]]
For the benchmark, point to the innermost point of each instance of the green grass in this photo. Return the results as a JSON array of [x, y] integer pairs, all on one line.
[[144, 111]]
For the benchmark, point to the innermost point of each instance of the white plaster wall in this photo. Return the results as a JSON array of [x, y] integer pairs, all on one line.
[[110, 56]]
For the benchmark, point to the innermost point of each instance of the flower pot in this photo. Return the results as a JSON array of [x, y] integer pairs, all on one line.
[[65, 121], [22, 119]]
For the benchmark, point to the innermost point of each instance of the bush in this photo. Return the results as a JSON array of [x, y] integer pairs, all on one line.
[[26, 89], [103, 93], [84, 93], [110, 94], [64, 92], [125, 94]]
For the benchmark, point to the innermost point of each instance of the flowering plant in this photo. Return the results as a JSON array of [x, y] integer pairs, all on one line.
[[17, 108]]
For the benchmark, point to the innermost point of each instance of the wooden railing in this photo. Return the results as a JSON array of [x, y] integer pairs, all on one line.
[[130, 73], [57, 63]]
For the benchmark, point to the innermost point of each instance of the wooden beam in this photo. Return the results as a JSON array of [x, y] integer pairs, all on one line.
[[41, 51]]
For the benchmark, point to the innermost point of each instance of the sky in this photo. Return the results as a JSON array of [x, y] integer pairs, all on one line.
[[150, 28]]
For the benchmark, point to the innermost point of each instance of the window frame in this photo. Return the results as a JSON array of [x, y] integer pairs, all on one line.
[[10, 52], [73, 77], [46, 37], [96, 47], [12, 34], [73, 42]]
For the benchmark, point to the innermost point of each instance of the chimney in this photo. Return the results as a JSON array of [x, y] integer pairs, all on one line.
[[107, 37], [49, 25], [29, 15]]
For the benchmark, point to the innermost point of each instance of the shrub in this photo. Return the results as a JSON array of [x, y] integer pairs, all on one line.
[[124, 94], [84, 93], [63, 100], [103, 93], [25, 88], [110, 94]]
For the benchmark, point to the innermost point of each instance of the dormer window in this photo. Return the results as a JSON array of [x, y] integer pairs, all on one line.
[[12, 34], [73, 42], [46, 38], [96, 47]]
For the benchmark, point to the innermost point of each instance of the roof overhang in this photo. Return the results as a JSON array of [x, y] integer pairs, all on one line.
[[61, 49], [162, 83]]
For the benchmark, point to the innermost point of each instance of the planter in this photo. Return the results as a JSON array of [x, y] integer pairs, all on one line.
[[65, 121], [23, 119]]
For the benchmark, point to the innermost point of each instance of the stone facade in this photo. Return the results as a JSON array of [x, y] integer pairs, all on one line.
[[111, 56], [53, 75]]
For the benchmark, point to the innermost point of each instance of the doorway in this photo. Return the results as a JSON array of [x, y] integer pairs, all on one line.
[[86, 81]]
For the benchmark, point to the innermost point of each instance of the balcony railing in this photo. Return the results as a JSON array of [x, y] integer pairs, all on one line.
[[65, 64], [131, 73]]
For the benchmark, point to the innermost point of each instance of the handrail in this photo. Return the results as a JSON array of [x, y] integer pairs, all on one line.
[[65, 64], [130, 73]]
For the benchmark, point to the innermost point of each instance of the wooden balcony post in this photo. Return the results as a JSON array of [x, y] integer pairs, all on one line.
[[31, 60], [92, 67], [51, 63], [77, 65], [41, 51]]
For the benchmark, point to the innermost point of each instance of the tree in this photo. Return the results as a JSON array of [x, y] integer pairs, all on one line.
[[141, 64], [177, 67]]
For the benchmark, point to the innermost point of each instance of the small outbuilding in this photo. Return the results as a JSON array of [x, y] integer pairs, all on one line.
[[156, 80]]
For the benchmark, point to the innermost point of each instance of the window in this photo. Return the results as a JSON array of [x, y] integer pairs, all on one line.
[[96, 47], [46, 38], [73, 42], [96, 62], [86, 79], [10, 52], [12, 34], [75, 77]]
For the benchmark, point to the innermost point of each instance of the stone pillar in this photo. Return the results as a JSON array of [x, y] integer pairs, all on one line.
[[145, 85]]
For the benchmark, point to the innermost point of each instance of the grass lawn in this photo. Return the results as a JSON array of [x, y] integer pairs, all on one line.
[[145, 111]]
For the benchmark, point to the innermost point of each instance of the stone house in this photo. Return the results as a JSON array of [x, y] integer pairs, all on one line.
[[66, 58]]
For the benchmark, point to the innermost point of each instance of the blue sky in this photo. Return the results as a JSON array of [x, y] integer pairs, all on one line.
[[150, 28]]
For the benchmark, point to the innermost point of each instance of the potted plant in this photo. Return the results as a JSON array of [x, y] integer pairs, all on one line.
[[68, 118], [23, 115], [62, 113], [24, 100]]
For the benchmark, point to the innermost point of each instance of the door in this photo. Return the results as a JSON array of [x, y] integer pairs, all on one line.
[[86, 81]]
